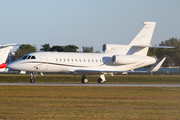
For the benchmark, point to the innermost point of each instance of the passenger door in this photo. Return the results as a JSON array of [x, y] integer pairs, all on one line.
[[43, 64]]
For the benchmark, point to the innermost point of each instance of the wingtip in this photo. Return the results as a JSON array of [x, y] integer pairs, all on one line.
[[156, 68]]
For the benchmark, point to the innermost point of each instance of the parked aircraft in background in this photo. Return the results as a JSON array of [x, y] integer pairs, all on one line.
[[4, 51], [115, 59]]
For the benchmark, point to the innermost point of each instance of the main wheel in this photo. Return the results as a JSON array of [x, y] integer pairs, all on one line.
[[100, 81], [31, 81], [85, 80]]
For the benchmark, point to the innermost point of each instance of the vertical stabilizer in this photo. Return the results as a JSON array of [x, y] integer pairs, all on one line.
[[4, 53], [145, 35], [142, 38]]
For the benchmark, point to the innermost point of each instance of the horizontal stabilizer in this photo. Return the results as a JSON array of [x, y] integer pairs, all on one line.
[[12, 44], [153, 46]]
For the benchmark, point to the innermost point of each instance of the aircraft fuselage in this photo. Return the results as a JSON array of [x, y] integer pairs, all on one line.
[[64, 62]]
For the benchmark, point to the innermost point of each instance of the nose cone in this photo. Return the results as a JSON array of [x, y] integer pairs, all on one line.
[[13, 66]]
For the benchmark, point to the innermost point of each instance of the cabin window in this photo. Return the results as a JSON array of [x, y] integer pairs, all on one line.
[[96, 60], [84, 60], [76, 60], [64, 60], [92, 60], [33, 57], [24, 57], [68, 60], [60, 60], [72, 60], [79, 60], [88, 60], [56, 59], [99, 60]]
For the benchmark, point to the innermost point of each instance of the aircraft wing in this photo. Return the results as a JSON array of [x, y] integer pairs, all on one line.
[[156, 68], [106, 72], [112, 71]]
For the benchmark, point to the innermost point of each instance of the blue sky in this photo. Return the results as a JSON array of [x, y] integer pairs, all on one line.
[[86, 22]]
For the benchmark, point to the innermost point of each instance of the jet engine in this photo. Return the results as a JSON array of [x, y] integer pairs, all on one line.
[[122, 59], [112, 47], [115, 48]]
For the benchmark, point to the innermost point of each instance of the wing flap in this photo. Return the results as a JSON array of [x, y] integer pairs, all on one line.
[[106, 71]]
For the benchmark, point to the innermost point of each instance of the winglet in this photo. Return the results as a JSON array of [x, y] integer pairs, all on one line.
[[158, 65]]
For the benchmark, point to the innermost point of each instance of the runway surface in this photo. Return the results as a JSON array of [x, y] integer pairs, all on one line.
[[90, 84]]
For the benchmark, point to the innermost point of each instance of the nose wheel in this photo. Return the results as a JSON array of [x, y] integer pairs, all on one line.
[[31, 81]]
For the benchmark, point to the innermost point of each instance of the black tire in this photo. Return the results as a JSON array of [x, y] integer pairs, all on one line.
[[85, 80], [100, 81], [31, 81]]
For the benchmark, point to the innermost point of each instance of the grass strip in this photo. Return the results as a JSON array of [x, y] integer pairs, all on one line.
[[78, 103], [146, 79]]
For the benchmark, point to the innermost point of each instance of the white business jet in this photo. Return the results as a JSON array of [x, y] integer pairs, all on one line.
[[4, 51], [115, 59]]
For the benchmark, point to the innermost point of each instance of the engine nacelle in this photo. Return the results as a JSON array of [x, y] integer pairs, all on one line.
[[112, 47], [122, 59], [115, 48]]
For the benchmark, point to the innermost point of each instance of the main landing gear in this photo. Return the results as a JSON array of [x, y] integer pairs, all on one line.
[[101, 79], [84, 79], [32, 77]]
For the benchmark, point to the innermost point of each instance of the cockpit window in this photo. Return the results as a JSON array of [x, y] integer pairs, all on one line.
[[28, 57], [33, 57], [24, 57]]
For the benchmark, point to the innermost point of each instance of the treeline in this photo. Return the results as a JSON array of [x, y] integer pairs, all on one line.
[[27, 48], [172, 55], [68, 48]]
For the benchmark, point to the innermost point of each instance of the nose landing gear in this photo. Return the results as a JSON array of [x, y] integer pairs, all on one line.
[[32, 77]]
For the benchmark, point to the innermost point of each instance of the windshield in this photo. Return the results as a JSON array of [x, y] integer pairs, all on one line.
[[28, 57], [24, 57]]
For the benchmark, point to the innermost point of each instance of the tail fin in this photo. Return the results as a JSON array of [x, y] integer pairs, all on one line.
[[4, 51], [142, 38]]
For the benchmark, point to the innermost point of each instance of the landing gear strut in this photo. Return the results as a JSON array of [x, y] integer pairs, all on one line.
[[32, 77], [84, 79], [102, 79]]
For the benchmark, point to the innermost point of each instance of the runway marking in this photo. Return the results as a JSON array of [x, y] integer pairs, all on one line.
[[92, 84]]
